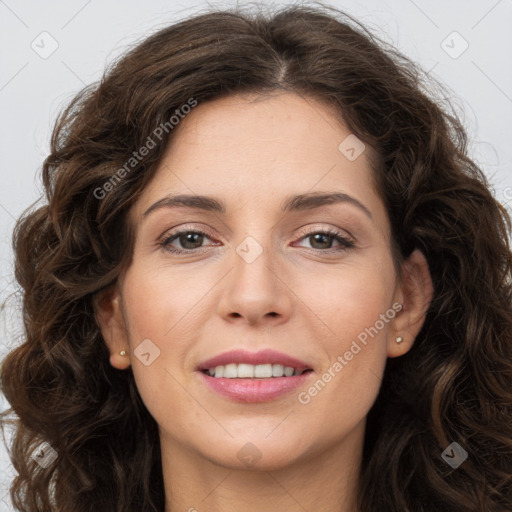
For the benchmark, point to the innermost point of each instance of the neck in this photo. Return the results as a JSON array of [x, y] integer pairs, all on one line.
[[324, 482]]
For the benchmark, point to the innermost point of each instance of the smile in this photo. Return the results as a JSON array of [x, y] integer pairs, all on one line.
[[251, 371]]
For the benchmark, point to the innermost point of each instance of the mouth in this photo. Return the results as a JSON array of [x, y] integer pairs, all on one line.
[[254, 377]]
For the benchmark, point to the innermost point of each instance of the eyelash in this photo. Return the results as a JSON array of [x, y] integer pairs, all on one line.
[[345, 243]]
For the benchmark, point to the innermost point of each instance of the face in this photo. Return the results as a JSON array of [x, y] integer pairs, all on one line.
[[305, 283]]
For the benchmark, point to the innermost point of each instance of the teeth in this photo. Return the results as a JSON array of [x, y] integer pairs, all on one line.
[[230, 371], [277, 370], [251, 371], [246, 371]]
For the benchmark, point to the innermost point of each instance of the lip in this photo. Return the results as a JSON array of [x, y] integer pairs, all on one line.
[[267, 356], [254, 390]]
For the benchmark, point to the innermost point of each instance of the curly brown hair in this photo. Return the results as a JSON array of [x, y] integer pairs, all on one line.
[[454, 385]]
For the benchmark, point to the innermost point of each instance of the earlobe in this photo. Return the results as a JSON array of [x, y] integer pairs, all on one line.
[[109, 317], [416, 292]]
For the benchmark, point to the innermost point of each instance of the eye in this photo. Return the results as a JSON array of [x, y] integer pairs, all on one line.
[[190, 240], [323, 238]]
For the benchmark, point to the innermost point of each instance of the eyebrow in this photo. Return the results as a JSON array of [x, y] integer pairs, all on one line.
[[299, 202]]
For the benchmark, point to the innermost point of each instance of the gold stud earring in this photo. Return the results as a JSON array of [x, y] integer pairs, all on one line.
[[123, 352], [399, 339]]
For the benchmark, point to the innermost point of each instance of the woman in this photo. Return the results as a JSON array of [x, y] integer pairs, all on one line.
[[268, 277]]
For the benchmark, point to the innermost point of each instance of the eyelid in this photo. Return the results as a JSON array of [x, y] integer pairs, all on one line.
[[185, 227], [201, 227], [335, 231]]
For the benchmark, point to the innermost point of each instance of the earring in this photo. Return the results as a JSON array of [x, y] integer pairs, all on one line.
[[399, 339], [123, 352]]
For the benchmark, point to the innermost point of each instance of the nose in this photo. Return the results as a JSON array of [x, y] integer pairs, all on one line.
[[256, 291]]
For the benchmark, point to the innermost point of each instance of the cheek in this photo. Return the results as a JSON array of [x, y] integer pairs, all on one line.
[[163, 301], [164, 309], [350, 298], [355, 306], [150, 310]]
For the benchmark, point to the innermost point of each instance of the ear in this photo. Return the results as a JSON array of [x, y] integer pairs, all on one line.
[[414, 293], [108, 313]]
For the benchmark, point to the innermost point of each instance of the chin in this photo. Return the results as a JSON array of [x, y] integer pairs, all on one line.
[[255, 452]]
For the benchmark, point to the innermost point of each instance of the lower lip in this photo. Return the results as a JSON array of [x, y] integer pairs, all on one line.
[[255, 390]]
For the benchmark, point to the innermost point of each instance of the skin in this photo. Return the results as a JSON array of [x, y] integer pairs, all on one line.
[[299, 296]]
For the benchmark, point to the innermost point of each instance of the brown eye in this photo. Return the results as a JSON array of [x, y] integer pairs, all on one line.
[[322, 240], [190, 241]]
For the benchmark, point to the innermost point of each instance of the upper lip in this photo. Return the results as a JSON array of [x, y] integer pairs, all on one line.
[[262, 357]]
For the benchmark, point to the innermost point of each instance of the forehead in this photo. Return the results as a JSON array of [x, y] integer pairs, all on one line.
[[284, 122], [252, 147]]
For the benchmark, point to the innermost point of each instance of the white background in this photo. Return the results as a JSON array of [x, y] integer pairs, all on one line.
[[90, 34]]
